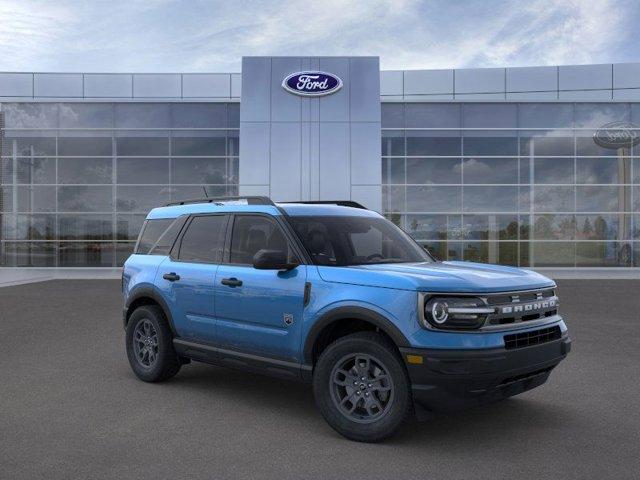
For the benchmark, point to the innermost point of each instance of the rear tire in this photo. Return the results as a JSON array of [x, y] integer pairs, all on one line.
[[362, 388], [150, 345]]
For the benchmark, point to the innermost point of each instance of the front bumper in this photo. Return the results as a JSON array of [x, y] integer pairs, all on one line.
[[452, 379]]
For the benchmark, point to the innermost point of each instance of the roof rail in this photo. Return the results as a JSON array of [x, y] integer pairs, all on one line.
[[251, 200], [340, 203]]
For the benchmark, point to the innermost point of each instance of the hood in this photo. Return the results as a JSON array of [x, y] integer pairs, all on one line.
[[438, 277]]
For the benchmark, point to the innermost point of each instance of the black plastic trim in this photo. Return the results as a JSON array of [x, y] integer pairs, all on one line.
[[146, 292], [357, 313]]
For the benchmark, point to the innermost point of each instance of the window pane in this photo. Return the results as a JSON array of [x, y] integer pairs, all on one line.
[[142, 146], [123, 252], [553, 170], [198, 191], [39, 254], [603, 199], [85, 199], [153, 230], [30, 115], [603, 227], [586, 145], [6, 171], [444, 250], [90, 146], [393, 170], [546, 144], [432, 115], [36, 170], [598, 114], [34, 227], [204, 239], [93, 115], [393, 199], [553, 254], [434, 227], [487, 115], [36, 199], [6, 199], [211, 145], [141, 198], [199, 115], [85, 170], [253, 233], [128, 226], [233, 112], [603, 170], [603, 254], [554, 199], [142, 115], [433, 143], [233, 143], [392, 115], [32, 146], [545, 115], [78, 254], [490, 170], [490, 227], [392, 143], [434, 199], [85, 227], [143, 170], [490, 144], [490, 199], [434, 170], [503, 253], [554, 227], [199, 170]]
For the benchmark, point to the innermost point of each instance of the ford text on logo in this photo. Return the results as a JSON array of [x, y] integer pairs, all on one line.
[[617, 135], [312, 84]]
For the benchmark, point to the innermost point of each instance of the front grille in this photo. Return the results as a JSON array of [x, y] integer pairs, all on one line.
[[535, 337], [519, 307]]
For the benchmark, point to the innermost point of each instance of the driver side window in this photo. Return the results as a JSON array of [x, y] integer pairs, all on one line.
[[252, 233]]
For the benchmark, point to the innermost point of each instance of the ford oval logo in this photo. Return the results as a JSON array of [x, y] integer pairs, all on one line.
[[312, 84], [616, 135]]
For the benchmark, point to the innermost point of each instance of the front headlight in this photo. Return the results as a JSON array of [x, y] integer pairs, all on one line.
[[455, 312]]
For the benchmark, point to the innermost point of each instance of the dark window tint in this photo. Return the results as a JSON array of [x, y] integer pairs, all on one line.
[[252, 233], [168, 238], [151, 231], [341, 241], [204, 239]]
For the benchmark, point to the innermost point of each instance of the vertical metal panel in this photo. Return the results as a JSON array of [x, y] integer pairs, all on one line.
[[16, 84], [236, 85], [626, 75], [532, 79], [368, 195], [364, 82], [284, 106], [391, 83], [157, 85], [428, 82], [479, 80], [585, 77], [57, 85], [254, 153], [256, 90], [285, 161], [334, 161], [108, 85], [206, 85], [335, 107], [365, 150]]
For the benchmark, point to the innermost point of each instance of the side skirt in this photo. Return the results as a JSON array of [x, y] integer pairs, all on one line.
[[240, 360]]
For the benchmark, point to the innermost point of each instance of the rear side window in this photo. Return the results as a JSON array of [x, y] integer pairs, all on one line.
[[203, 240], [151, 232]]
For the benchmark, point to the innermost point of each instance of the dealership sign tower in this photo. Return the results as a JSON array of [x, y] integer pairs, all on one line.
[[310, 128]]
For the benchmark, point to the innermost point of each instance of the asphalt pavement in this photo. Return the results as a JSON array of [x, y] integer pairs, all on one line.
[[71, 408]]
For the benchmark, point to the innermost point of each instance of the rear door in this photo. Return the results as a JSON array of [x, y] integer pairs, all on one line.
[[259, 311], [187, 277]]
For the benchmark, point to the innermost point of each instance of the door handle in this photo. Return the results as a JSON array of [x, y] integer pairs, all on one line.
[[231, 282], [172, 277]]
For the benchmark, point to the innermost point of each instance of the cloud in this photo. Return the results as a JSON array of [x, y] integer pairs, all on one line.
[[167, 35]]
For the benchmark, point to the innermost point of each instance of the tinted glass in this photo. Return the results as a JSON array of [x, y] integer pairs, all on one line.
[[152, 230], [252, 233], [85, 170], [204, 239], [341, 241]]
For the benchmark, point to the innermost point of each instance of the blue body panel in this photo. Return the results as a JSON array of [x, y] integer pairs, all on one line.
[[250, 317]]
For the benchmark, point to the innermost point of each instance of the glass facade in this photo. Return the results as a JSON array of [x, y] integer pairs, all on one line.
[[77, 179], [513, 183]]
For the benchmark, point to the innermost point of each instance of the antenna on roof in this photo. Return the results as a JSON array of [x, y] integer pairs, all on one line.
[[205, 191]]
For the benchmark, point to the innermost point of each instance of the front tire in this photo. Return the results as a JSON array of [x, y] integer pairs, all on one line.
[[362, 388], [150, 345]]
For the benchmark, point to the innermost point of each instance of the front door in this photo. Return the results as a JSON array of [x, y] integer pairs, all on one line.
[[259, 311]]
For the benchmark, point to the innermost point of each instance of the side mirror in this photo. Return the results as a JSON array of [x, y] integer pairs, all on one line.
[[272, 260]]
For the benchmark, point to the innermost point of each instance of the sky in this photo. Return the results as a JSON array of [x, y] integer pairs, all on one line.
[[212, 36]]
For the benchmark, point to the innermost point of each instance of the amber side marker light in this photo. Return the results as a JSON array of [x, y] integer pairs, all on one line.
[[415, 359]]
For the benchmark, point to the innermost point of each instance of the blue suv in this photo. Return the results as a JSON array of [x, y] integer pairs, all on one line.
[[336, 295]]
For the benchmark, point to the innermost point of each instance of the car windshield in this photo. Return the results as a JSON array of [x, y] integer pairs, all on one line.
[[342, 241]]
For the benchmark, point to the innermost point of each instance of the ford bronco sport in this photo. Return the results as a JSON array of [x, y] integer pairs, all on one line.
[[336, 295]]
